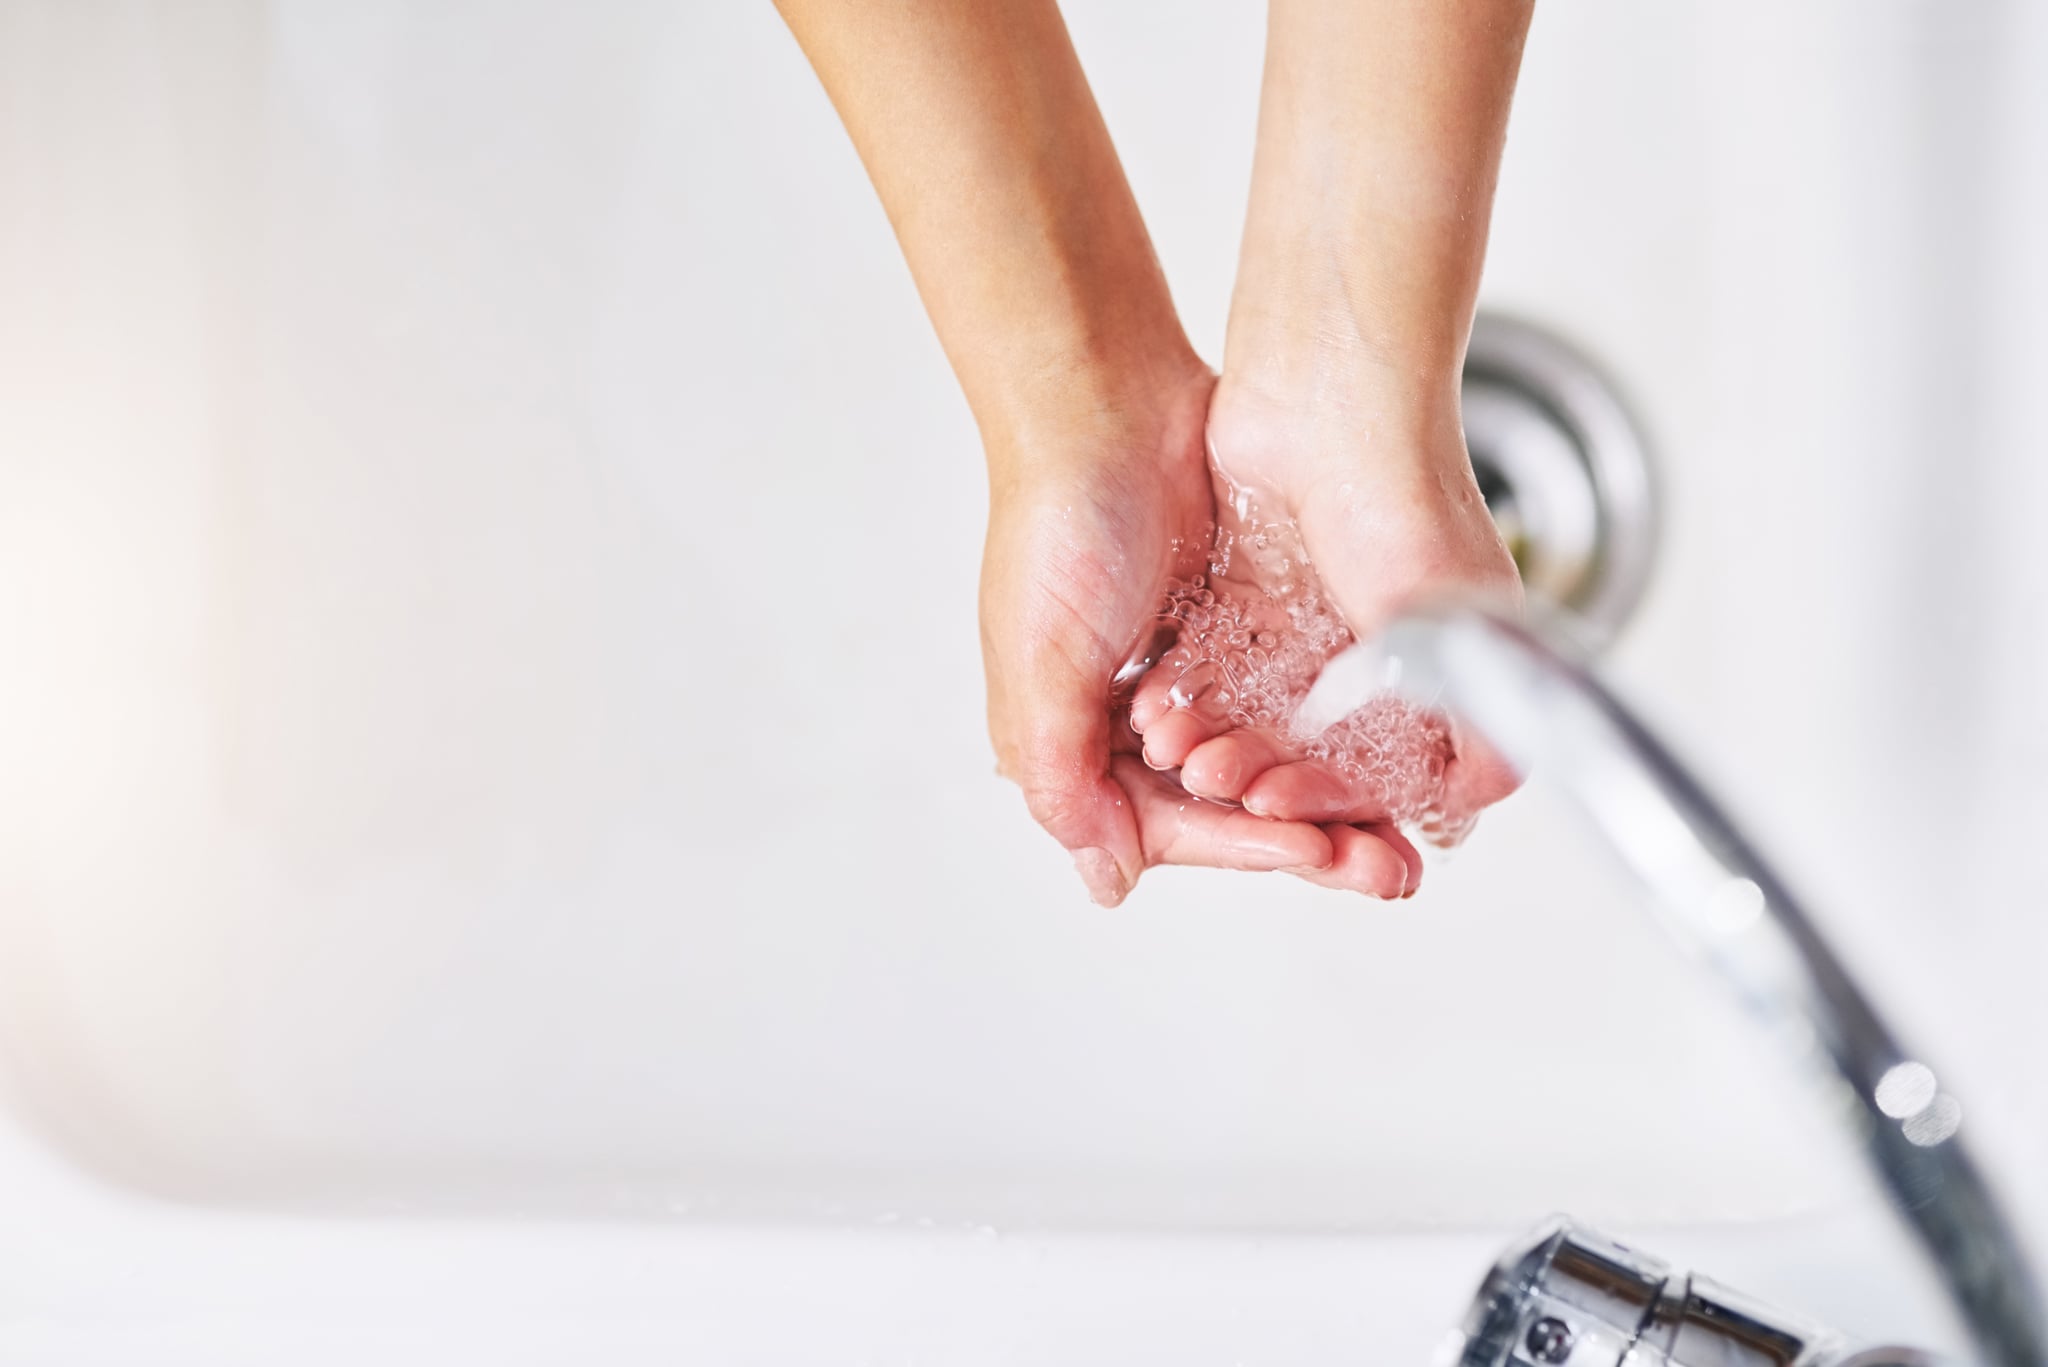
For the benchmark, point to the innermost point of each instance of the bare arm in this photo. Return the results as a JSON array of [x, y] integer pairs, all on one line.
[[985, 144], [980, 134], [1380, 134]]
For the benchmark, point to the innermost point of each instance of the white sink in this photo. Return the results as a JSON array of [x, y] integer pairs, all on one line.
[[493, 804]]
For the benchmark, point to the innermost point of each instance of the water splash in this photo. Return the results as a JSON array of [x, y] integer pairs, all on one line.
[[1247, 648]]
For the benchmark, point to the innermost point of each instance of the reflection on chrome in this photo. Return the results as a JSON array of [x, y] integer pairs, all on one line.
[[1725, 905], [1734, 906], [1568, 1296], [1935, 1123], [1906, 1089]]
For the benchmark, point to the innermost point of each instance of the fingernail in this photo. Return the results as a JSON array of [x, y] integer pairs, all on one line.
[[1411, 892], [1256, 806], [1098, 869], [1151, 763]]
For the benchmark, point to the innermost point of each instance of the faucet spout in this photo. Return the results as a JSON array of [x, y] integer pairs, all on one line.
[[1725, 905]]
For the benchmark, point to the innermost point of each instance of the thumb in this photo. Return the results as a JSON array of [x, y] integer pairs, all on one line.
[[1053, 740]]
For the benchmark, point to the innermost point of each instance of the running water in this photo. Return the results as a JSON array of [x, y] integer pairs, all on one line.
[[1248, 646]]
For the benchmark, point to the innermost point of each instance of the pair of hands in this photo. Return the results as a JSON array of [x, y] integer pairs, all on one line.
[[1083, 534], [1381, 124]]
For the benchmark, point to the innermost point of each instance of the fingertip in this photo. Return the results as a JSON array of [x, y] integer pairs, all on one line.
[[1151, 702], [1364, 862], [1172, 737], [1101, 875], [1397, 841], [1224, 768]]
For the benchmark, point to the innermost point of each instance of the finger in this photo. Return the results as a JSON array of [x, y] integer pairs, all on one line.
[[1400, 844], [1363, 860], [1150, 702], [1177, 828], [1311, 790], [1173, 737], [1156, 640], [1090, 816], [1053, 740], [1124, 738], [1223, 767]]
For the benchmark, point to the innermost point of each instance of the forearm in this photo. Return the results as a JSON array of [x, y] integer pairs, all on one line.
[[1380, 135], [982, 138]]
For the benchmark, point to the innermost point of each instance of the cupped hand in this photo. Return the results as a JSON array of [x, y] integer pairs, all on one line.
[[1090, 513], [1380, 495]]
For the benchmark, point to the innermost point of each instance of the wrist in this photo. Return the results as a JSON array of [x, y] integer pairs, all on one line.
[[1289, 431], [1087, 411], [1335, 389], [1333, 331]]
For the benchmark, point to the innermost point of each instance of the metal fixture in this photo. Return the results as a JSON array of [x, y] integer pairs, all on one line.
[[1549, 1340], [1567, 1297], [1725, 905], [1565, 473]]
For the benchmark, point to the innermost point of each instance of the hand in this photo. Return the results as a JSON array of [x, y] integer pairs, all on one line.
[[1382, 500], [1380, 133], [1085, 527]]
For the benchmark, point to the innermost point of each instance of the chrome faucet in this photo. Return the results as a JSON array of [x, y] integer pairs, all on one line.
[[1724, 904], [1567, 1297]]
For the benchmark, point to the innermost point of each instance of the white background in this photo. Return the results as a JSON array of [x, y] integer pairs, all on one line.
[[491, 710]]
